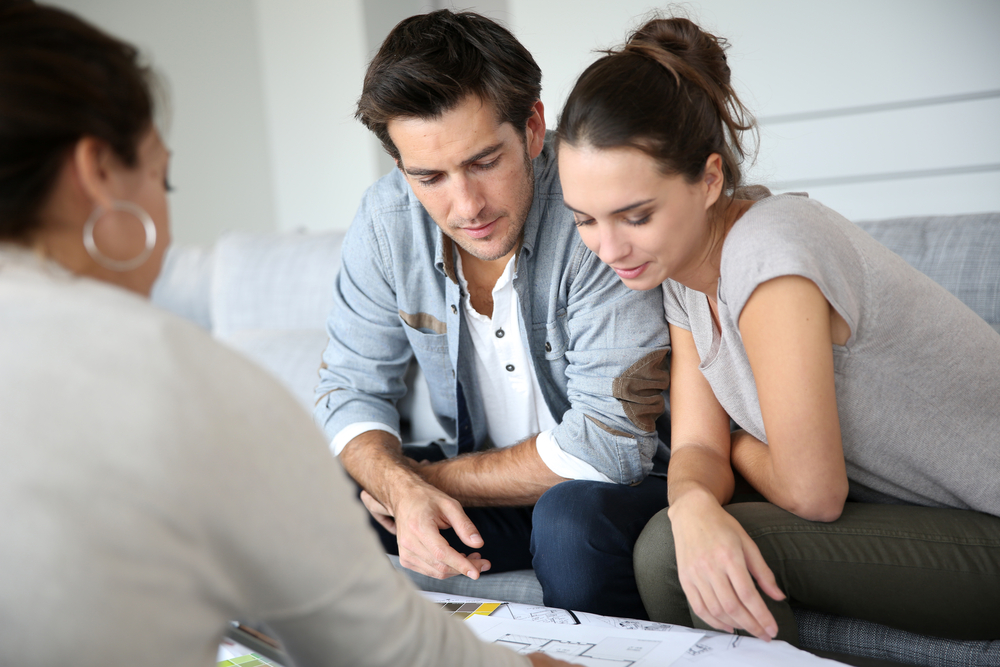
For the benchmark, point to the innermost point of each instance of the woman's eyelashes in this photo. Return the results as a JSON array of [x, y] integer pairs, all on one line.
[[583, 222]]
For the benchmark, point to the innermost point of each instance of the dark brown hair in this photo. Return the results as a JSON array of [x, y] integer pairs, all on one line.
[[667, 92], [429, 63], [61, 79]]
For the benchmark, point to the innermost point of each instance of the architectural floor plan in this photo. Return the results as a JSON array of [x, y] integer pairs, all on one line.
[[609, 652]]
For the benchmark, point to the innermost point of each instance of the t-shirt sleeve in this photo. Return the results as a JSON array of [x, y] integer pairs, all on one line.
[[793, 236], [675, 304]]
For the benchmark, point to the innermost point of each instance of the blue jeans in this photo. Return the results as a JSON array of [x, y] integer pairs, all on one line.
[[578, 538]]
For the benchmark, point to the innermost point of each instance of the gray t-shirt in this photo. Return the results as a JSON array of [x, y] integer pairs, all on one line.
[[918, 382]]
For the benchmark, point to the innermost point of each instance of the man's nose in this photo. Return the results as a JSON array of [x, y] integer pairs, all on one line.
[[469, 200]]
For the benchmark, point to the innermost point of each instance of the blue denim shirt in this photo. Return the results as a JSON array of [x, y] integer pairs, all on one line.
[[599, 349]]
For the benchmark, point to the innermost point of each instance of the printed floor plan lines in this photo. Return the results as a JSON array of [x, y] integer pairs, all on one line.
[[609, 652]]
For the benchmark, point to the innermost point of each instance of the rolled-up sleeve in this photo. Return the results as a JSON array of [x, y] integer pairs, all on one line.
[[617, 352]]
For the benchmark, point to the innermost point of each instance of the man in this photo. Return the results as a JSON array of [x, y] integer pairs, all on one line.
[[545, 368]]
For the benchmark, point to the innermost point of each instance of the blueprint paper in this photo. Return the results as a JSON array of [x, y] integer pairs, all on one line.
[[588, 645], [718, 649], [713, 649]]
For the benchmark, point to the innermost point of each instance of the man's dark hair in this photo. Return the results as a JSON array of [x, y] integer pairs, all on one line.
[[429, 63]]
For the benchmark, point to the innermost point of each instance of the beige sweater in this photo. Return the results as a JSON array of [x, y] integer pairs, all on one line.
[[156, 485]]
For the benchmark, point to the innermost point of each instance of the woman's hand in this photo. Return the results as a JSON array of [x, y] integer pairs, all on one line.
[[717, 563]]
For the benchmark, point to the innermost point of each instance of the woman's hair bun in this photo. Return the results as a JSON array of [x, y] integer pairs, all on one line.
[[666, 92], [679, 44]]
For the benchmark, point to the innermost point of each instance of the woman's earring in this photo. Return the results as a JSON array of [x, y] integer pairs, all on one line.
[[115, 264]]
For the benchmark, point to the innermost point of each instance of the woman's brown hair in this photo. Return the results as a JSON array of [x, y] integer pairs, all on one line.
[[61, 79], [667, 92]]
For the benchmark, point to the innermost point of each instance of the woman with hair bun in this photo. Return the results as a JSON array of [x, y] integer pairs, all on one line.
[[867, 397], [155, 485]]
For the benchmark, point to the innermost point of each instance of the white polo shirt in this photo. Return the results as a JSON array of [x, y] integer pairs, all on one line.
[[512, 399]]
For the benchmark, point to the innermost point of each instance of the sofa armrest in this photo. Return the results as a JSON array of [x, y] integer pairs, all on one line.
[[185, 283]]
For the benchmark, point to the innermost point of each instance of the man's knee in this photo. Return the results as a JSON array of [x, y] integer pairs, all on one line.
[[594, 512], [576, 503]]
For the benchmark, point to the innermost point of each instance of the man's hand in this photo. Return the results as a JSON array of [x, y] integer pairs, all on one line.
[[378, 512], [410, 508], [422, 513]]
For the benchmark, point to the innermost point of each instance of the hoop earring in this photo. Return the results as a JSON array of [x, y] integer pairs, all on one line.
[[115, 264]]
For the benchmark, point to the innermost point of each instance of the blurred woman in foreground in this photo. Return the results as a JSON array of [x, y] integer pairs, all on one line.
[[853, 376], [154, 485]]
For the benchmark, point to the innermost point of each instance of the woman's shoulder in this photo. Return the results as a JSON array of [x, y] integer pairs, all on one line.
[[790, 234], [778, 213], [790, 224]]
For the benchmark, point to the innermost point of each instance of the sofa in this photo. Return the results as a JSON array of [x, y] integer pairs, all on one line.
[[267, 295]]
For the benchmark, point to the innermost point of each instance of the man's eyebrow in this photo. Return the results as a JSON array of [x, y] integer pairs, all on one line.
[[418, 171], [483, 153], [616, 211]]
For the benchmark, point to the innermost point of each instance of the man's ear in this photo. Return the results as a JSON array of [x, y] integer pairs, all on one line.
[[713, 180], [92, 162], [534, 131]]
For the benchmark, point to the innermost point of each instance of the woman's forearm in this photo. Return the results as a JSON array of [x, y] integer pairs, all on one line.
[[752, 459], [694, 468]]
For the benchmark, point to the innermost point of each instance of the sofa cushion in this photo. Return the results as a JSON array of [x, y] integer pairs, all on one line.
[[273, 281], [959, 252], [838, 634], [516, 586], [184, 284], [291, 356]]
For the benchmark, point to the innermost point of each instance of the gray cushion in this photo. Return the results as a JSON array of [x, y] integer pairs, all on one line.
[[517, 586], [275, 281], [184, 284], [293, 357], [961, 253], [827, 632]]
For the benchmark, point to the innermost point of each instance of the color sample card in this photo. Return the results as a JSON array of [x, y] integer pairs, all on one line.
[[249, 660], [464, 610]]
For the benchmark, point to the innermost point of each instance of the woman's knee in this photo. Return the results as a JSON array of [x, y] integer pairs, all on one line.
[[656, 573]]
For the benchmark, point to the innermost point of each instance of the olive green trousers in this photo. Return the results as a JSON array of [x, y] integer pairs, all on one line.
[[925, 570]]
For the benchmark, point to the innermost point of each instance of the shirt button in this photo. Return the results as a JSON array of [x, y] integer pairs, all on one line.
[[499, 333], [454, 310], [510, 368], [548, 346]]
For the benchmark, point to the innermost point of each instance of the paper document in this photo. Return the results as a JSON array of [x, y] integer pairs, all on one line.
[[710, 649], [589, 645]]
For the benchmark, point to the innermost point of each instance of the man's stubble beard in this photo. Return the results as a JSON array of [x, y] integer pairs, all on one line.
[[517, 220]]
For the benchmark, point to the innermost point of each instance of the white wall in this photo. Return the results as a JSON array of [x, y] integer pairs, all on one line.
[[207, 53], [263, 95], [790, 57], [313, 54]]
